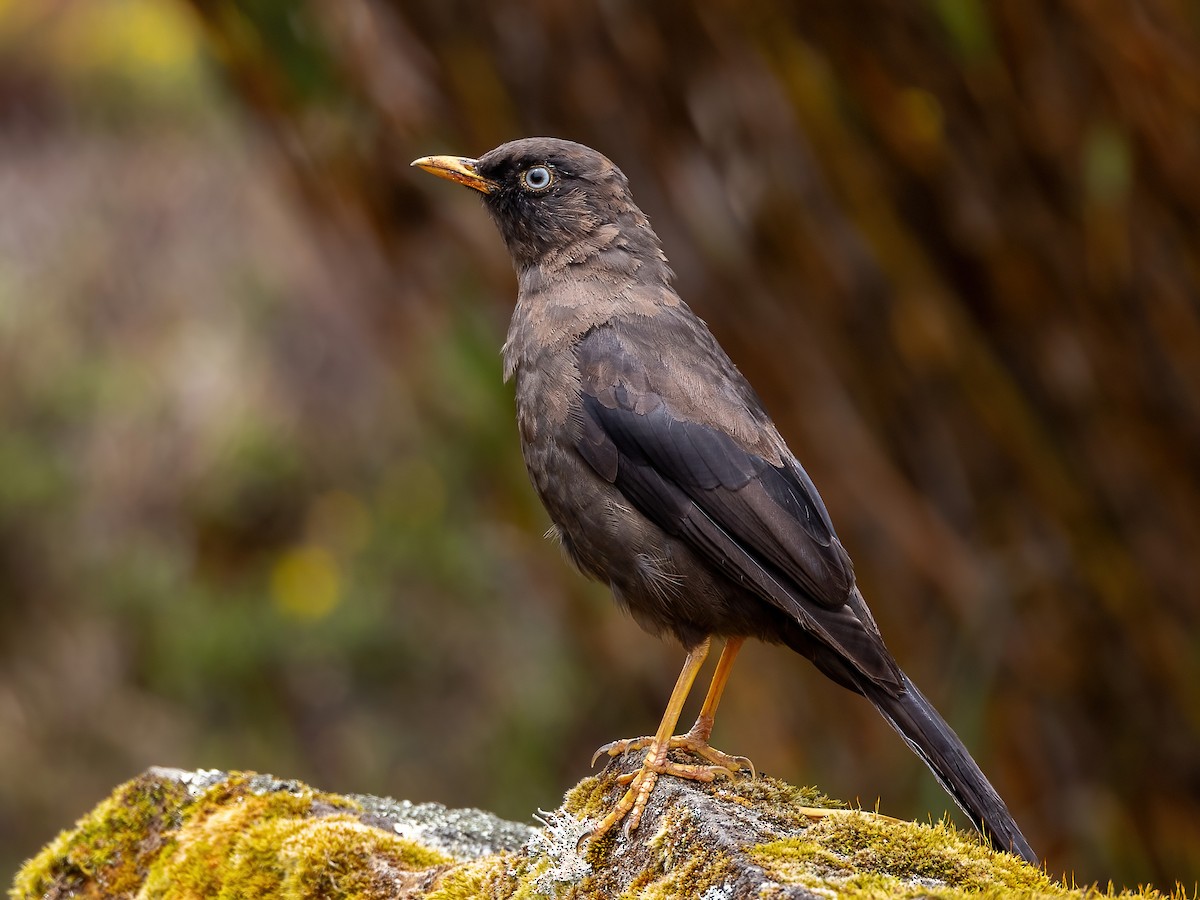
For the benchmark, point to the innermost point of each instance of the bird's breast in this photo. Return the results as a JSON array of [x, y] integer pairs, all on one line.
[[598, 529]]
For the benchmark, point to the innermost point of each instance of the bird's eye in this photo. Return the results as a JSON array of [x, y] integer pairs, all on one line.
[[537, 178]]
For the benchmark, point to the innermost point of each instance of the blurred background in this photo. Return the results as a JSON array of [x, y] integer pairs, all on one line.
[[261, 501]]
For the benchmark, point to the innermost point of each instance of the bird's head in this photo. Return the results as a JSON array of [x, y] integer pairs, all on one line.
[[550, 198]]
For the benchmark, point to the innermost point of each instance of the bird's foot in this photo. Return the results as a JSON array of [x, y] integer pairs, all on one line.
[[695, 741], [641, 783]]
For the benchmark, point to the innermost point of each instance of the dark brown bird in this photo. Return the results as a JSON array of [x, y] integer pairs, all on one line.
[[664, 476]]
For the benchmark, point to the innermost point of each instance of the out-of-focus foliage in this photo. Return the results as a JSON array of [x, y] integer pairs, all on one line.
[[260, 499], [238, 525]]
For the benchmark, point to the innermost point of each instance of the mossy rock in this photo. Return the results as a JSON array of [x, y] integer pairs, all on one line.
[[172, 834]]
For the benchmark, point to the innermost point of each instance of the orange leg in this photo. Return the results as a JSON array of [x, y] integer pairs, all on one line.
[[697, 737], [641, 783], [631, 806]]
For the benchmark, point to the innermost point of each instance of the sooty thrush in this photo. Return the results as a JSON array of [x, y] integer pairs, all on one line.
[[663, 475]]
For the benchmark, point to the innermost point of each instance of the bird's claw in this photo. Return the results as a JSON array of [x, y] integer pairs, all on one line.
[[621, 747], [640, 783], [691, 742]]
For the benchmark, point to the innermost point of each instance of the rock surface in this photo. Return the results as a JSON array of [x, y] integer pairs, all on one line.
[[175, 834]]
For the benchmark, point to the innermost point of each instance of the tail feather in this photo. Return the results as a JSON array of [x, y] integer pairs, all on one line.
[[936, 743]]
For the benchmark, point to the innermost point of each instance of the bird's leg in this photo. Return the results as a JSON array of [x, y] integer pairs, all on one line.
[[696, 740], [656, 763], [641, 783]]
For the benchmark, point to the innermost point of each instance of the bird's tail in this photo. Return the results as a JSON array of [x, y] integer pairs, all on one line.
[[936, 743]]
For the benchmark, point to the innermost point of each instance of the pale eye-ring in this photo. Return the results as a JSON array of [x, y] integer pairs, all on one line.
[[537, 178]]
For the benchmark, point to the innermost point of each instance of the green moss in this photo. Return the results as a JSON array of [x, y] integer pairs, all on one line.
[[335, 854], [273, 845], [588, 799], [779, 803], [237, 839], [871, 856], [489, 877], [111, 848]]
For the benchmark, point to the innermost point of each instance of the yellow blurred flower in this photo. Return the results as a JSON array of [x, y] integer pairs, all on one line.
[[306, 583]]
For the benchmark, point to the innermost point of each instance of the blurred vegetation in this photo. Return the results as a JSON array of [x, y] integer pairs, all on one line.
[[261, 504]]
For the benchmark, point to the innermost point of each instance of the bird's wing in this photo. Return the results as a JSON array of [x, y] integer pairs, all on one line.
[[763, 524]]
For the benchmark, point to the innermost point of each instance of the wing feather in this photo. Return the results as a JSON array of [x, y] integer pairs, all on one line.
[[763, 525]]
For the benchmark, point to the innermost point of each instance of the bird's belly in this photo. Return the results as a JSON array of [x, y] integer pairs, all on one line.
[[603, 535]]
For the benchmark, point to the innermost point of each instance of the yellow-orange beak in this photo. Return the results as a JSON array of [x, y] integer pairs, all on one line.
[[456, 168]]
